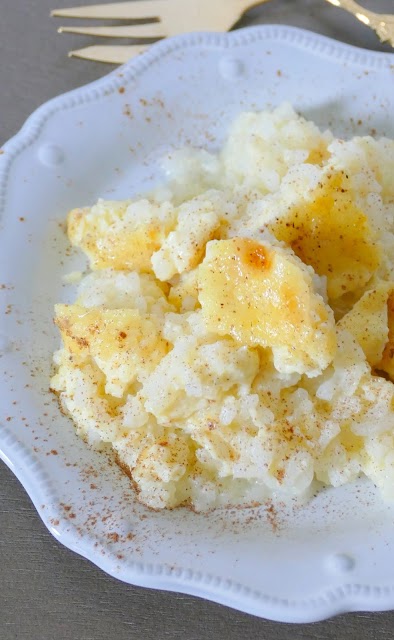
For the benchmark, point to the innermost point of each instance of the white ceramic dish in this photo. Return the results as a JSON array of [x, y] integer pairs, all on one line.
[[104, 140]]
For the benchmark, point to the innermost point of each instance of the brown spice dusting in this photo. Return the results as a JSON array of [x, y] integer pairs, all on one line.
[[272, 516], [114, 537], [121, 89]]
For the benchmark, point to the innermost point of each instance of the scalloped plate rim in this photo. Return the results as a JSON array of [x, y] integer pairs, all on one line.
[[349, 596]]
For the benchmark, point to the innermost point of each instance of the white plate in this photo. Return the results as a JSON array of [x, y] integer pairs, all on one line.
[[104, 140]]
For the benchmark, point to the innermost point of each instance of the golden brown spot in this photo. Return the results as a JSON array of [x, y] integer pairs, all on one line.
[[258, 257]]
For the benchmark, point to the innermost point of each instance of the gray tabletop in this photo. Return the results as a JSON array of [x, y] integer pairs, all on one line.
[[46, 591]]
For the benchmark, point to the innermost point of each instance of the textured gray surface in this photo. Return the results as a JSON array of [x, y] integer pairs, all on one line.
[[47, 592]]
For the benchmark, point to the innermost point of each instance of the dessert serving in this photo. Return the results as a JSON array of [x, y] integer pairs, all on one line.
[[233, 341]]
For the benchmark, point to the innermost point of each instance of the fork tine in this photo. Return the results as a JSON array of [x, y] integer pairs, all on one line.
[[151, 30], [116, 54], [114, 11]]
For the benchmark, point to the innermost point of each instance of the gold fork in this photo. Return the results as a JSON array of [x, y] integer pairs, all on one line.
[[382, 23], [170, 17]]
